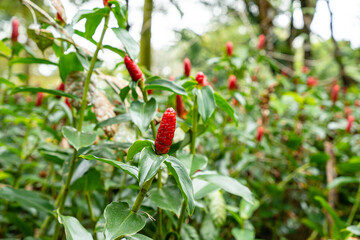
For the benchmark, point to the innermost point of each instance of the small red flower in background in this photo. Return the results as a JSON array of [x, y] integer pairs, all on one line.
[[149, 91], [105, 2], [350, 120], [312, 81], [133, 68], [61, 87], [229, 48], [232, 82], [67, 102], [200, 76], [335, 92], [357, 103], [254, 78], [261, 42], [235, 102], [59, 18], [15, 30], [166, 132], [260, 132], [347, 111], [187, 67], [305, 69], [39, 98], [172, 78], [180, 107]]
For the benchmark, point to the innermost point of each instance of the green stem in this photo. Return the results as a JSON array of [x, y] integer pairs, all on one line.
[[140, 198], [91, 212], [354, 208], [159, 210], [182, 217]]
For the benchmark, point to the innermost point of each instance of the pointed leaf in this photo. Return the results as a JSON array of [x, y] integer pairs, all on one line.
[[44, 90], [131, 46], [224, 105], [142, 113], [162, 84], [78, 139], [168, 198], [73, 228], [206, 102], [137, 147]]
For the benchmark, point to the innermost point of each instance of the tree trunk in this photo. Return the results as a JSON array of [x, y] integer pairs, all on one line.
[[145, 42]]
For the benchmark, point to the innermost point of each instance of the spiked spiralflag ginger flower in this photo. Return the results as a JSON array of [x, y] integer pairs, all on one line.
[[166, 132], [260, 132], [261, 42], [133, 68], [187, 67], [15, 30], [311, 81], [229, 48], [232, 82], [200, 76], [335, 92], [39, 99], [350, 120]]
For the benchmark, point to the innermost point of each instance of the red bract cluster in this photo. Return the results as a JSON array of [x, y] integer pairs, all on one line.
[[312, 81], [15, 30], [59, 18], [67, 102], [350, 120], [180, 106], [261, 42], [229, 48], [133, 68], [39, 98], [187, 67], [200, 76], [105, 2], [166, 132], [334, 93], [232, 82], [260, 132]]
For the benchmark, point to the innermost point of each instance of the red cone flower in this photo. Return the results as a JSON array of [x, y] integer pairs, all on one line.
[[260, 132], [335, 92], [187, 67], [166, 132], [59, 18], [39, 98], [149, 91], [180, 106], [229, 48], [132, 68], [232, 82], [105, 2], [61, 87], [200, 76], [261, 42], [304, 69], [67, 102], [15, 30], [312, 81], [350, 119]]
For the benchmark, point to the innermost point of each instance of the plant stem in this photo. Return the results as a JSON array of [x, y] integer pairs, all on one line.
[[182, 217], [354, 208], [140, 198], [91, 212], [159, 210]]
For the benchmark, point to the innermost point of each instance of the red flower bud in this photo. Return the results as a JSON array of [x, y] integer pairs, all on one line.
[[229, 48], [347, 111], [132, 68], [187, 67], [166, 132], [39, 98], [59, 18], [304, 69], [357, 103], [284, 72], [350, 119], [200, 76], [261, 42], [61, 87], [334, 93], [232, 82], [235, 102], [180, 107], [312, 81], [172, 78], [149, 91], [254, 78], [260, 132], [15, 30], [67, 102], [105, 3]]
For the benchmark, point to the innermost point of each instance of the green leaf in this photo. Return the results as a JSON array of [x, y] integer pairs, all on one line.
[[27, 199], [131, 46], [206, 102], [69, 63], [240, 98], [73, 228], [131, 170], [7, 82], [149, 164], [350, 166], [138, 237], [188, 232], [44, 90], [241, 234], [162, 84], [31, 60], [5, 50], [93, 18], [192, 162], [142, 113], [228, 184], [136, 147], [124, 92], [115, 120], [208, 231], [42, 38], [341, 181], [168, 198], [119, 13], [120, 220], [78, 139], [354, 229], [247, 210], [89, 182], [115, 50], [183, 181], [224, 105]]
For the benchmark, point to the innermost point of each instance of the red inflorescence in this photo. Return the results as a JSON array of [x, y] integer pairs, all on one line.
[[67, 102], [232, 82], [335, 92], [260, 132], [172, 78], [229, 48], [166, 132], [305, 69], [39, 98], [261, 42], [187, 67], [180, 106], [15, 30], [200, 77], [312, 81], [133, 68], [105, 2], [350, 120], [58, 17], [61, 87]]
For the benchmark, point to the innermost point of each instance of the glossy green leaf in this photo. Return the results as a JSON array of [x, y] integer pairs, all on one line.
[[131, 170], [7, 82], [120, 13], [240, 98], [131, 46], [341, 181], [93, 18], [5, 50], [149, 164], [182, 178], [73, 228], [69, 63], [162, 84], [44, 90], [78, 139], [31, 60], [115, 50], [168, 198], [121, 221], [188, 232], [142, 113], [137, 147], [225, 106], [124, 92], [350, 166], [246, 209], [354, 230], [228, 184], [90, 181], [115, 120], [138, 237], [206, 102], [241, 234], [43, 38], [27, 199], [192, 162]]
